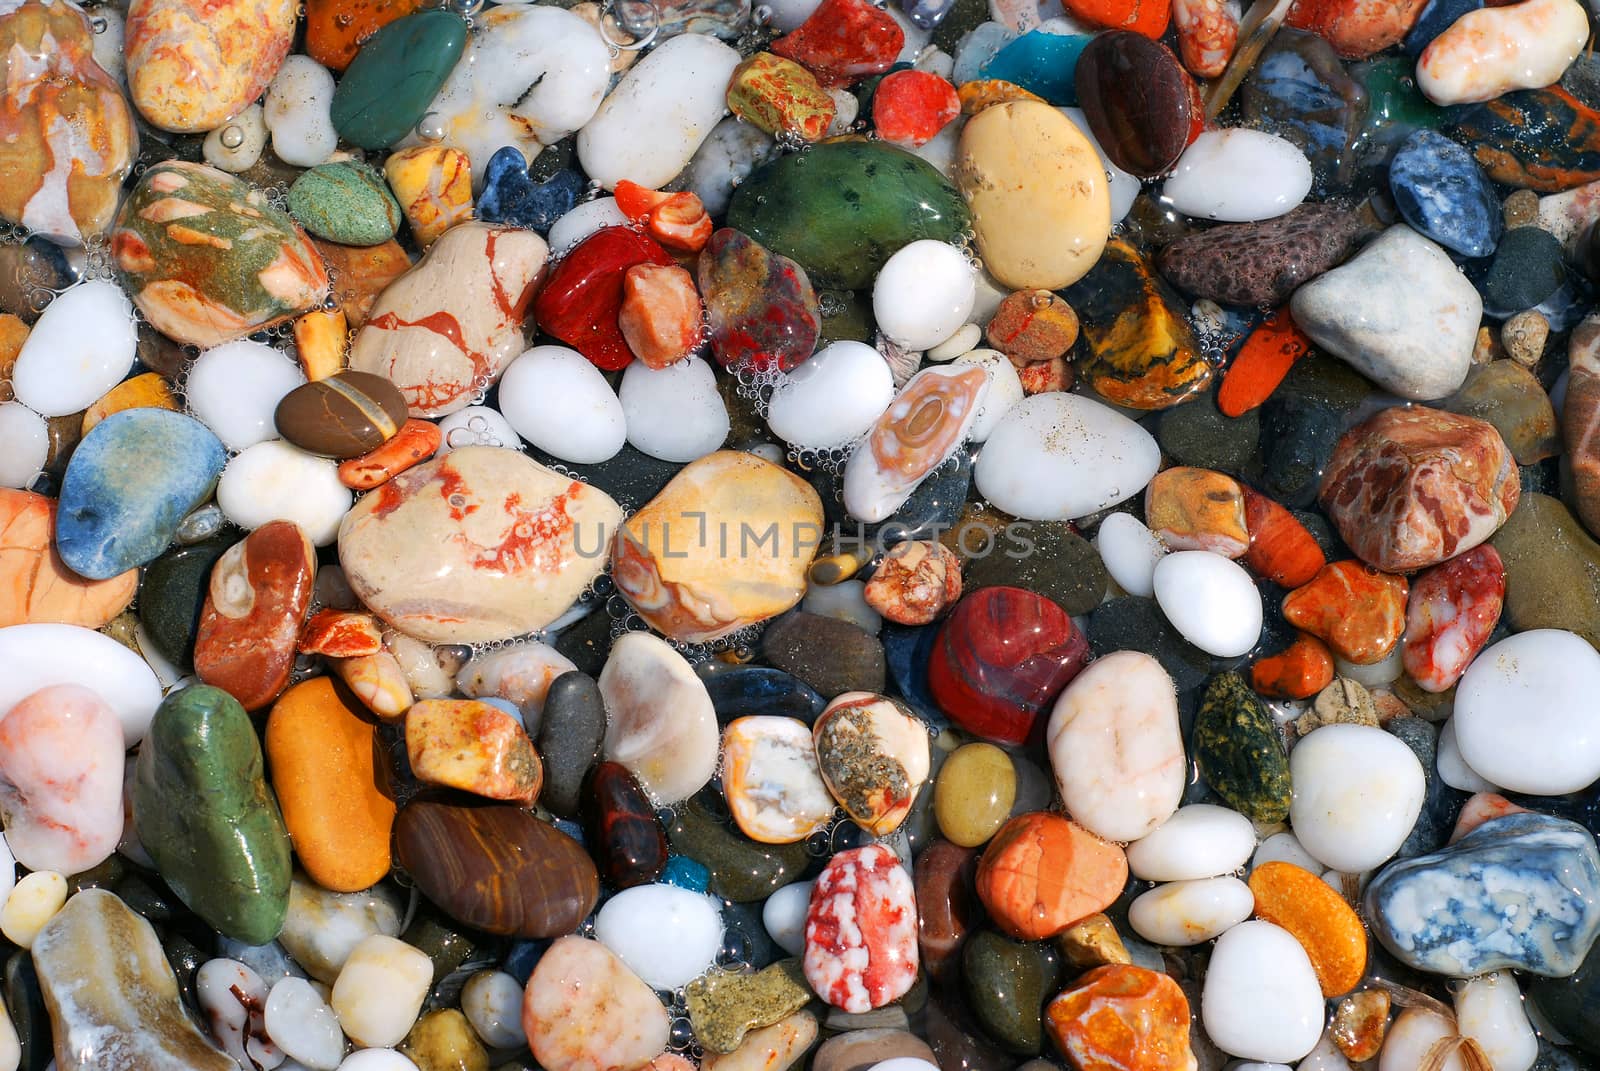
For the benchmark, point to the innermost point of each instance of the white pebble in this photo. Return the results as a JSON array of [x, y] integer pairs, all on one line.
[[82, 346], [1130, 552], [232, 995], [1357, 793], [300, 1023], [1379, 674], [923, 294], [1183, 913], [36, 656], [1325, 1057], [1453, 769], [674, 413], [235, 388], [476, 425], [1210, 600], [583, 221], [1411, 1036], [1238, 176], [274, 481], [492, 1003], [1003, 392], [560, 402], [377, 1060], [1284, 848], [24, 445], [1201, 840], [237, 144], [1489, 1010], [380, 990], [784, 916], [967, 337], [666, 935], [1260, 999], [832, 398], [297, 112]]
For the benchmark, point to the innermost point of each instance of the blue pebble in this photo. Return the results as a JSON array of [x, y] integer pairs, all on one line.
[[571, 829], [686, 873], [1437, 17], [1442, 192], [134, 477], [927, 14], [510, 196], [1042, 63], [906, 651], [749, 690], [522, 957], [1521, 891]]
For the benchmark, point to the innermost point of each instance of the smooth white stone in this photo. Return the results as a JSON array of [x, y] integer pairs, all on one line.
[[666, 935], [904, 1063], [832, 398], [1004, 390], [492, 1003], [1210, 600], [1492, 51], [298, 112], [82, 346], [251, 127], [377, 1060], [24, 445], [990, 295], [874, 489], [232, 997], [300, 1023], [582, 221], [530, 75], [476, 425], [521, 673], [674, 413], [846, 601], [923, 294], [659, 113], [322, 928], [1284, 848], [1130, 552], [1383, 672], [1489, 1010], [38, 655], [1526, 717], [1453, 769], [936, 61], [1116, 748], [274, 481], [1201, 840], [1183, 913], [1325, 1057], [556, 399], [784, 916], [660, 722], [1238, 176], [380, 990], [270, 961], [940, 150], [1357, 793], [965, 339], [1399, 312], [789, 14], [1058, 457], [1260, 999], [1411, 1035], [234, 389], [1122, 186], [726, 158]]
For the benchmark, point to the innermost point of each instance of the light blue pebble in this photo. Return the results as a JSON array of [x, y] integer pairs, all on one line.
[[686, 873], [1442, 192], [976, 49]]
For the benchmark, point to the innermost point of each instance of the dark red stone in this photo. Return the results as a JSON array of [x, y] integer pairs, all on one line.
[[1001, 658], [948, 908], [762, 308], [580, 301], [621, 831], [1141, 104], [844, 41]]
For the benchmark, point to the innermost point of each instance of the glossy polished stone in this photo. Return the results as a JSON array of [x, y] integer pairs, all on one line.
[[763, 310], [621, 830], [343, 416], [1141, 104], [580, 301], [395, 75]]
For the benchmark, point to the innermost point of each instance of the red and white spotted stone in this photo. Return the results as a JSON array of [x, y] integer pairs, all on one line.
[[861, 930]]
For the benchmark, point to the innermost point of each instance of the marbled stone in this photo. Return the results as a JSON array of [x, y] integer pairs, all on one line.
[[256, 601], [193, 65], [1442, 192], [861, 930]]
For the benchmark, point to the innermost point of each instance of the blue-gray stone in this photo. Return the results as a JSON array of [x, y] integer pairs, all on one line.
[[130, 482], [762, 690], [510, 196], [1435, 19], [1442, 192], [1521, 891], [1529, 268], [927, 14]]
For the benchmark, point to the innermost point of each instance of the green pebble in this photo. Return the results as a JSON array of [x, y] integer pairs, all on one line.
[[172, 594], [203, 811], [1239, 751], [723, 1008], [1007, 984], [348, 203], [1552, 569], [740, 868], [389, 85], [1197, 433]]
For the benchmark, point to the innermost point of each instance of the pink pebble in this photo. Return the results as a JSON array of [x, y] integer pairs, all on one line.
[[861, 930]]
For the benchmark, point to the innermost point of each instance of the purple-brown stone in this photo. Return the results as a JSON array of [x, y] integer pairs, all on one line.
[[1261, 263]]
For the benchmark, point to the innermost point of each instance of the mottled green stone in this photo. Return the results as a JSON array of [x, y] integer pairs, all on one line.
[[723, 1008], [347, 202], [843, 208], [740, 868], [1552, 569], [172, 594], [203, 811], [1007, 984], [389, 85], [1239, 751]]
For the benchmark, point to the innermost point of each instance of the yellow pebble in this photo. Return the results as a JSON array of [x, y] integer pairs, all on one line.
[[319, 338], [31, 904], [145, 391], [433, 184], [378, 681]]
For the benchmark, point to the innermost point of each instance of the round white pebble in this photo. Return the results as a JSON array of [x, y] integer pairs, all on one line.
[[784, 916], [24, 444], [1357, 793], [1130, 552], [1210, 600], [832, 398], [1453, 770], [1183, 913], [377, 1060], [560, 402], [1525, 713], [476, 425], [923, 294], [904, 1063], [273, 481], [1003, 392], [1260, 999], [1489, 1009], [668, 936], [1201, 840], [674, 413], [82, 346], [298, 112], [234, 389], [1284, 848], [300, 1023], [492, 1003]]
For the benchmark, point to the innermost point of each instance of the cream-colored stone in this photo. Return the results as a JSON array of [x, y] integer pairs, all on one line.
[[35, 900], [380, 990], [772, 1048], [584, 1010]]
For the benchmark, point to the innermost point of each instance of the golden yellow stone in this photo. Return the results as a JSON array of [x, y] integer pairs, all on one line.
[[973, 796], [443, 1041], [319, 339], [1092, 942], [433, 184], [145, 391]]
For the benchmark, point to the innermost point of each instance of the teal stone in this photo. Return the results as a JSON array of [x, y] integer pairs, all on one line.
[[1041, 62], [395, 76], [843, 208], [348, 203], [1007, 984], [130, 482], [1239, 752], [172, 593], [203, 811]]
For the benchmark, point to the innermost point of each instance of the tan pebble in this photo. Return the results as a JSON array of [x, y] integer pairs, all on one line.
[[1092, 942], [380, 990], [1524, 336], [772, 1048], [1360, 1023], [378, 681], [1344, 702], [1521, 209], [34, 902]]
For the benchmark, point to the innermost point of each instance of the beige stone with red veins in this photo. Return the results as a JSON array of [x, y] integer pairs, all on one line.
[[446, 329], [915, 583], [194, 63], [1413, 486], [480, 545], [725, 544], [341, 634], [584, 1010]]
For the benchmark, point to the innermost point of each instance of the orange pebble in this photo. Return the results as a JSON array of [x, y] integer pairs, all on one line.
[[340, 634], [415, 442], [1122, 1018], [1299, 671], [1329, 929], [1480, 808], [319, 338], [1281, 548], [322, 754], [145, 391], [1197, 509], [987, 92], [1146, 17], [1357, 610], [660, 316], [1041, 873], [676, 220], [1262, 362]]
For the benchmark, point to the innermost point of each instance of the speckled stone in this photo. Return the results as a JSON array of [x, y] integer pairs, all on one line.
[[723, 1008], [345, 202], [1261, 263], [1239, 750], [830, 655]]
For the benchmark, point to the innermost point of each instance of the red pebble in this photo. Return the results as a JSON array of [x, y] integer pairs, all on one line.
[[1148, 18], [909, 108], [1281, 549], [1042, 377], [1451, 611], [340, 634], [1480, 808], [861, 930], [1262, 362], [580, 301], [1356, 28], [676, 220], [844, 41]]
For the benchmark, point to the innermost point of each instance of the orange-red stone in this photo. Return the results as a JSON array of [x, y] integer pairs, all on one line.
[[1122, 1018], [1480, 808], [1357, 610], [1356, 28], [1146, 17], [1041, 873], [335, 29], [909, 108], [1262, 362], [415, 442], [915, 583], [1299, 671], [473, 746], [844, 41], [661, 315], [340, 634], [677, 220], [1281, 549], [1033, 325], [35, 584], [1318, 917]]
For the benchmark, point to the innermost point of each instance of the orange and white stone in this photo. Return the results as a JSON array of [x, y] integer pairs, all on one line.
[[1208, 32], [1495, 50], [378, 681], [584, 1010], [194, 63], [771, 781], [473, 746], [35, 584], [923, 426], [660, 721]]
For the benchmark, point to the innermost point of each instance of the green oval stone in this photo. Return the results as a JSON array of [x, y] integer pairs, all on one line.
[[844, 208], [348, 203], [395, 76], [203, 811], [1239, 751], [1007, 984]]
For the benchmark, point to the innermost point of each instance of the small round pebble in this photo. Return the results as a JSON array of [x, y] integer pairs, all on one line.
[[1210, 600]]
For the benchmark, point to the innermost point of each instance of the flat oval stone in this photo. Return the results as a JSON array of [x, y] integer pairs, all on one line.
[[1007, 983], [130, 482], [621, 830], [345, 202], [496, 868], [1261, 1000], [1357, 792], [343, 416], [395, 76], [873, 756], [1239, 752], [571, 731], [771, 781], [1141, 104], [38, 656], [861, 930], [1261, 263], [662, 726], [741, 870], [1201, 840], [666, 935]]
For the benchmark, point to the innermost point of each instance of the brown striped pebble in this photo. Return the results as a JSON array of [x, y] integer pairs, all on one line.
[[342, 416]]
